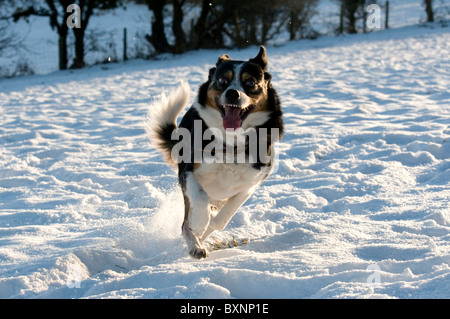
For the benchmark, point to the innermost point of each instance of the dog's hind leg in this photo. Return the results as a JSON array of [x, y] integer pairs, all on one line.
[[196, 216], [221, 219]]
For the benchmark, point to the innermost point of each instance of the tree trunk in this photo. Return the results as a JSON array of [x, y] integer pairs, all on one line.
[[351, 28], [63, 30], [341, 18], [158, 36], [78, 62], [86, 8], [202, 38], [429, 10], [62, 48], [293, 24], [177, 27], [350, 9], [351, 24]]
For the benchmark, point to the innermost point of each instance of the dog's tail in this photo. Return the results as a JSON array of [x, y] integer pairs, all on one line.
[[162, 116]]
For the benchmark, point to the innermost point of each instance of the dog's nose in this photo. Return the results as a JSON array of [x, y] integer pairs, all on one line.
[[232, 96]]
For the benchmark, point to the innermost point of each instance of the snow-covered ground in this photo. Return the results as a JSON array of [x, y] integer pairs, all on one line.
[[358, 207]]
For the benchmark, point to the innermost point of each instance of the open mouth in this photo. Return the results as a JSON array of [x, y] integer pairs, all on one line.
[[233, 115]]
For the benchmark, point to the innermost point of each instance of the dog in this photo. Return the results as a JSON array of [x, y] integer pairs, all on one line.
[[228, 141]]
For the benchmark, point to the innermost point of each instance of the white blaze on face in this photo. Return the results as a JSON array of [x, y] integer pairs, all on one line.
[[232, 119]]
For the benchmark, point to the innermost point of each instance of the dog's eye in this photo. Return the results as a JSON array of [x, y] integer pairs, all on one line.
[[222, 80], [250, 83]]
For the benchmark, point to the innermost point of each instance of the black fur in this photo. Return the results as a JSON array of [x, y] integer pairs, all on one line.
[[165, 136], [202, 92]]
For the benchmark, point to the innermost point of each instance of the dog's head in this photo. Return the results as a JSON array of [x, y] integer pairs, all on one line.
[[238, 91]]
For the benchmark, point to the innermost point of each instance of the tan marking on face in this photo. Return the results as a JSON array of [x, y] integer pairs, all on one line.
[[228, 75], [259, 99], [260, 103], [245, 76], [211, 98]]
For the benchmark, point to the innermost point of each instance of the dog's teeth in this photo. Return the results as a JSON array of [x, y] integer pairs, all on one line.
[[243, 108]]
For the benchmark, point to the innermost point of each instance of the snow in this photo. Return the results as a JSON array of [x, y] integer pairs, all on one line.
[[357, 208]]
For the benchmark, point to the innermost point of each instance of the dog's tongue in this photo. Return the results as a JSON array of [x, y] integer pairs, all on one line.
[[232, 118]]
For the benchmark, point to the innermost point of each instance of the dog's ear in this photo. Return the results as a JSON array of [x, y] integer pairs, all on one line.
[[223, 58], [212, 71], [261, 58]]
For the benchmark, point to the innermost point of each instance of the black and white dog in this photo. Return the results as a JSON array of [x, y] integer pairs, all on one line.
[[224, 144]]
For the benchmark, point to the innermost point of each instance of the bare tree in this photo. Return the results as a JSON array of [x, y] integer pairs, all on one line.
[[56, 12], [206, 30], [241, 23], [181, 44], [253, 21], [158, 38], [429, 10], [300, 14], [351, 11], [86, 9]]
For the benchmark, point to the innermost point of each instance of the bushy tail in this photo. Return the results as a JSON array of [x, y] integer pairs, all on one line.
[[162, 116]]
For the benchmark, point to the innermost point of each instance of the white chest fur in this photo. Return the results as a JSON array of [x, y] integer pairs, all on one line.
[[222, 180]]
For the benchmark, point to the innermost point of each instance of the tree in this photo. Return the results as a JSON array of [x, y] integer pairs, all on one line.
[[86, 9], [203, 32], [56, 12], [177, 27], [300, 13], [208, 31], [158, 36], [351, 11], [252, 22], [429, 10], [232, 22]]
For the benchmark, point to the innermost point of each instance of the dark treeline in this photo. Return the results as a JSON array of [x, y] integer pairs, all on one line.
[[223, 23], [178, 26], [237, 23]]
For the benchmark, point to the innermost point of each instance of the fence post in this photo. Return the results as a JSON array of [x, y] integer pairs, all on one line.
[[386, 22], [125, 57]]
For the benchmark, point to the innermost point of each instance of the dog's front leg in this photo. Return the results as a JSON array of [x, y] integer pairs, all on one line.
[[220, 221], [196, 216]]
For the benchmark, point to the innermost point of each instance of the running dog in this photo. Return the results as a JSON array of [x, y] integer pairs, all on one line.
[[224, 145]]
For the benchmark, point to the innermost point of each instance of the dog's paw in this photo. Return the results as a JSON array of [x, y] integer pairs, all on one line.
[[198, 252]]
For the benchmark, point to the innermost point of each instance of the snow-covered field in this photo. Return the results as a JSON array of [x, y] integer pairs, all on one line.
[[358, 207]]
